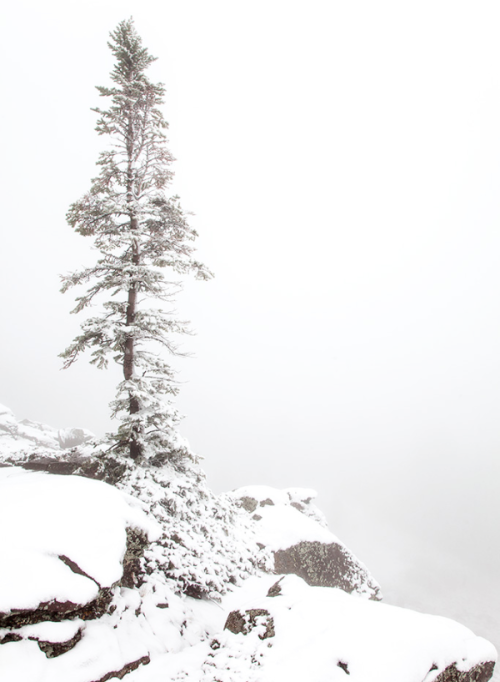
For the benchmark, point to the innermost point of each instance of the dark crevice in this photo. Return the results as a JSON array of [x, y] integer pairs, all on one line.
[[120, 674], [344, 667], [76, 569]]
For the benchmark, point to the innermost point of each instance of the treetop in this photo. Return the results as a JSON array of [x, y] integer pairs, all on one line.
[[132, 58]]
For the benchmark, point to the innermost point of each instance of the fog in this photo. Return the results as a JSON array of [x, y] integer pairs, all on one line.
[[343, 164]]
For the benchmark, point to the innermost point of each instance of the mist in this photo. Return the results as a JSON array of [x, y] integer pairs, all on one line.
[[343, 163]]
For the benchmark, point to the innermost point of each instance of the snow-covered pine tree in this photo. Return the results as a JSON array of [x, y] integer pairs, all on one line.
[[139, 233]]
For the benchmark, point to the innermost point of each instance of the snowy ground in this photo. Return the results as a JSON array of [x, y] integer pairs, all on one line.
[[298, 632], [418, 574], [64, 542]]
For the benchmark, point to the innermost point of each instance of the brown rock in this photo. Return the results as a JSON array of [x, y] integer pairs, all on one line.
[[120, 674], [238, 622], [481, 672], [58, 611], [54, 649]]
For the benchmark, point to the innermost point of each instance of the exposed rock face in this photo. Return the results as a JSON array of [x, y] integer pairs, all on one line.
[[324, 565], [245, 622], [133, 570], [54, 649], [294, 531], [479, 673], [120, 674], [76, 555], [57, 611], [248, 503], [107, 469]]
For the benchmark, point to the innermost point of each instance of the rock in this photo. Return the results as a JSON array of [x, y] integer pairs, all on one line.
[[120, 674], [321, 633], [325, 565], [238, 622], [275, 590], [54, 649], [248, 503], [294, 531], [132, 569], [93, 593], [481, 672], [344, 666], [10, 637], [57, 611], [108, 469]]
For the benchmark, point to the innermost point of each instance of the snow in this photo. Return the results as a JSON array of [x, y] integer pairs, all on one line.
[[316, 628], [45, 517], [321, 633], [50, 631], [26, 434], [283, 526]]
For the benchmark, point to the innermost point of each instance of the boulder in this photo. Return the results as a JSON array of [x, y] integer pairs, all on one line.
[[325, 565], [71, 548], [246, 621], [295, 532]]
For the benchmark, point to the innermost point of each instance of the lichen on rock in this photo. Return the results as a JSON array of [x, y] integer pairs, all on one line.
[[325, 565]]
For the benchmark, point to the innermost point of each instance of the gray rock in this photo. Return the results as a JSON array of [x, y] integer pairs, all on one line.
[[481, 672], [238, 622], [248, 503], [325, 565], [275, 590]]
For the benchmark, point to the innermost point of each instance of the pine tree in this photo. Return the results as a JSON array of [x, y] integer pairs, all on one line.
[[139, 233]]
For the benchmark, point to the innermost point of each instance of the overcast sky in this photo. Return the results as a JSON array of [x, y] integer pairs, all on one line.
[[343, 162]]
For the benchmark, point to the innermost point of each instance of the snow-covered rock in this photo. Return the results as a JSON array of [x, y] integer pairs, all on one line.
[[294, 530], [62, 541], [115, 570]]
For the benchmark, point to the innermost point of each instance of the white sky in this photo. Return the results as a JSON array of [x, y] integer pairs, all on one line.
[[343, 162]]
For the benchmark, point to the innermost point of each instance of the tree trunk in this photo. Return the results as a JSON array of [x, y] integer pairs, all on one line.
[[128, 356]]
